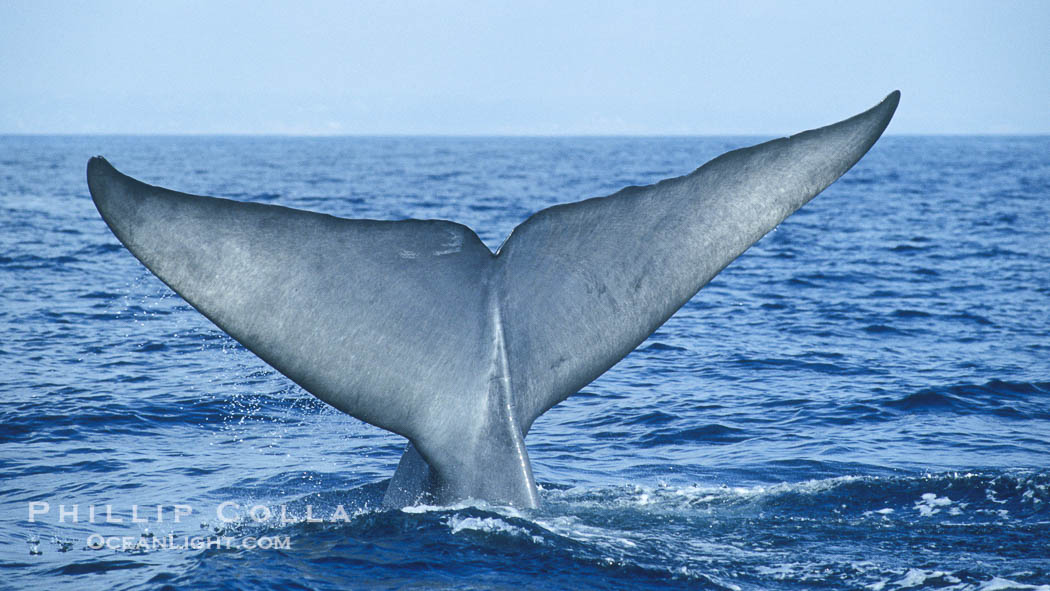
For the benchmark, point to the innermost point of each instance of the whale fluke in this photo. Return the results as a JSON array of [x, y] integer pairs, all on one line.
[[415, 326]]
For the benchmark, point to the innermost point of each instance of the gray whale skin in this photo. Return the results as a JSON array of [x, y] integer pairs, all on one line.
[[417, 327]]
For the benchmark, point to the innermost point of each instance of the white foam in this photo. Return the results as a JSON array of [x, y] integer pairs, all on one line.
[[930, 504], [916, 577], [458, 524], [1001, 584], [465, 504]]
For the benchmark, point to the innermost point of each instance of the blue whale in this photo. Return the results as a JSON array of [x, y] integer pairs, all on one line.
[[415, 326]]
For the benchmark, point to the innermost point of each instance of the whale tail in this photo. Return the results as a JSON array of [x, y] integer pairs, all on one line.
[[415, 326]]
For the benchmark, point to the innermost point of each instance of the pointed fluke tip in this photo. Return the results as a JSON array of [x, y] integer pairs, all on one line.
[[885, 108], [103, 182], [871, 123], [97, 168], [892, 100], [888, 107], [97, 164]]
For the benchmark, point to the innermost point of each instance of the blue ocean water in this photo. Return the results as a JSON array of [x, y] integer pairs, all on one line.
[[862, 400]]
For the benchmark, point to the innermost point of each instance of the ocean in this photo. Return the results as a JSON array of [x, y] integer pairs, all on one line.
[[860, 401]]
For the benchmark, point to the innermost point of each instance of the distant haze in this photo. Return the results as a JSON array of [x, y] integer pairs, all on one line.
[[534, 68]]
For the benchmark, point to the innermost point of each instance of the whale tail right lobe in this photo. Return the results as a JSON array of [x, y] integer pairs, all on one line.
[[585, 283], [416, 327]]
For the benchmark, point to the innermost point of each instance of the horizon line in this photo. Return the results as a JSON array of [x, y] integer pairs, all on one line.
[[248, 135]]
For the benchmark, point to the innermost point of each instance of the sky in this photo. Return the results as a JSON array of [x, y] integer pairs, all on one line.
[[519, 68]]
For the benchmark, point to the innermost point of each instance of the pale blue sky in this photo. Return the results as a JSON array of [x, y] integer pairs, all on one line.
[[454, 67]]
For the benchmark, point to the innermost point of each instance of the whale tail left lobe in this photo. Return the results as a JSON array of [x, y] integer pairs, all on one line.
[[391, 322]]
